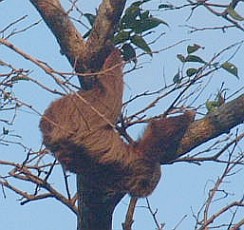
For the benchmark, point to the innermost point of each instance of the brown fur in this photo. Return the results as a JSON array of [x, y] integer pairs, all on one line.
[[162, 136], [158, 145], [79, 130], [74, 124]]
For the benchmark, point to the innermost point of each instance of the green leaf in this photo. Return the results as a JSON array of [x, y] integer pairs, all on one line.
[[141, 43], [165, 6], [132, 12], [87, 34], [91, 18], [19, 78], [231, 68], [121, 37], [234, 14], [129, 53], [158, 21], [194, 58], [181, 58], [193, 48], [130, 15], [145, 15], [177, 78], [140, 26], [211, 106], [191, 71], [139, 3]]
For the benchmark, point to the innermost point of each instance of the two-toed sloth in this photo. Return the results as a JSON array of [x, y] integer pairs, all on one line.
[[79, 129]]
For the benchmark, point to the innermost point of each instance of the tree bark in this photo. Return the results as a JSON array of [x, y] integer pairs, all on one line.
[[84, 57], [96, 206], [70, 40], [214, 124], [105, 25]]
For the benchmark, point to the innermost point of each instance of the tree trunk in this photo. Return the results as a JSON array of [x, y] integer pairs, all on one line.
[[95, 206]]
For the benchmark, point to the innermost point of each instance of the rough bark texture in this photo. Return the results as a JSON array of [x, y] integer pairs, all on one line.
[[214, 124], [85, 57], [85, 60], [105, 25], [95, 206], [70, 40], [98, 192]]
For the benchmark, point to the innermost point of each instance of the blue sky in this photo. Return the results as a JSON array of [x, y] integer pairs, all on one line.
[[183, 186]]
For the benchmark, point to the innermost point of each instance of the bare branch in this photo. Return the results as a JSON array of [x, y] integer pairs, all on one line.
[[153, 213], [216, 157], [127, 225]]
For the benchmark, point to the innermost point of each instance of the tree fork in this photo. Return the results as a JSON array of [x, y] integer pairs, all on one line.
[[95, 206]]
